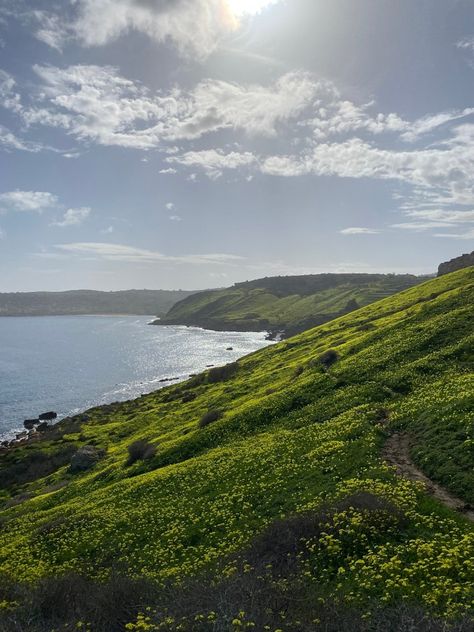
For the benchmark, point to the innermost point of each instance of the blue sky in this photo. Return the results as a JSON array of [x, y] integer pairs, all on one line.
[[196, 143]]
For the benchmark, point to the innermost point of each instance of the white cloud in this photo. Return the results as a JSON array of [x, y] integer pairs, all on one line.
[[73, 217], [27, 201], [195, 27], [96, 103], [107, 231], [9, 141], [170, 206], [466, 44], [468, 235], [427, 219], [214, 162], [176, 218], [420, 226], [119, 252], [51, 29], [169, 171], [357, 230]]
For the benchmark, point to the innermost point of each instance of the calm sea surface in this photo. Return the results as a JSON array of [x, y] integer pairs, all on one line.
[[71, 363]]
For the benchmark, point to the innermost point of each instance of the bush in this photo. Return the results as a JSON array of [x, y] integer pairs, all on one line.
[[188, 397], [222, 373], [284, 541], [140, 451], [60, 602], [328, 358], [209, 418]]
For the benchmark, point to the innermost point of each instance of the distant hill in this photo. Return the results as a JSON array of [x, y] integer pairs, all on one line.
[[290, 304], [458, 263], [77, 302]]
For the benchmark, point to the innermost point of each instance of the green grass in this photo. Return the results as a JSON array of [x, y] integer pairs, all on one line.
[[293, 436], [274, 304]]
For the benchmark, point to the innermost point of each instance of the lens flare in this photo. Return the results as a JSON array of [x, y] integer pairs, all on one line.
[[241, 8]]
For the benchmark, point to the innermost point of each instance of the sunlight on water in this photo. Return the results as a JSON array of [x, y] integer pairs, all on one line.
[[69, 364]]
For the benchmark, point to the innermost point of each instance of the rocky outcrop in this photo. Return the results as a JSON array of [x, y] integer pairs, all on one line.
[[458, 263], [85, 458], [49, 416], [29, 424]]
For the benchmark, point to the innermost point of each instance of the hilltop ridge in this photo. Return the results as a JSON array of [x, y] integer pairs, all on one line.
[[285, 305]]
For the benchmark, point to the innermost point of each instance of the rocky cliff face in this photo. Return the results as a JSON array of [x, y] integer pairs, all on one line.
[[464, 261]]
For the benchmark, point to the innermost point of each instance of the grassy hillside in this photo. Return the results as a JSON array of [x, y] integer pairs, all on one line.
[[292, 304], [146, 302], [258, 497]]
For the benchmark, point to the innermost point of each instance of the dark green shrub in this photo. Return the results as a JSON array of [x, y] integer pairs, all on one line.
[[328, 358], [188, 397], [222, 373], [140, 451], [209, 418]]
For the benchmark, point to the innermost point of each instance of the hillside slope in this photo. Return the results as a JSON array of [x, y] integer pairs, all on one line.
[[290, 304], [295, 430], [76, 302]]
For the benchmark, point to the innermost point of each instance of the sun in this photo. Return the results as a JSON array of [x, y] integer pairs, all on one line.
[[248, 7]]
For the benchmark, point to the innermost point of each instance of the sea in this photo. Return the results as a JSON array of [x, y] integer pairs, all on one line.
[[68, 364]]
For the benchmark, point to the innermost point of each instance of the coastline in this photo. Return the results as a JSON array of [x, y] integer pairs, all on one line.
[[131, 388]]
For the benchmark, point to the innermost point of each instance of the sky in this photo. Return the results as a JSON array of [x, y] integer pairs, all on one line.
[[170, 144]]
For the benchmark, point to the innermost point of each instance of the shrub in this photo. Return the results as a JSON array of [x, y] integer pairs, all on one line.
[[284, 540], [140, 451], [328, 358], [209, 418], [298, 370], [188, 397], [222, 373]]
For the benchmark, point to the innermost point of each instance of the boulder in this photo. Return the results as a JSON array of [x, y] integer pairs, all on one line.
[[30, 423], [85, 458], [49, 416], [42, 427], [230, 349]]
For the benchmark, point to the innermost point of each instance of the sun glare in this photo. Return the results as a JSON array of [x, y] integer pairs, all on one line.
[[248, 7]]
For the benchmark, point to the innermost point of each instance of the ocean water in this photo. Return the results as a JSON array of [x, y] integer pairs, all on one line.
[[71, 363]]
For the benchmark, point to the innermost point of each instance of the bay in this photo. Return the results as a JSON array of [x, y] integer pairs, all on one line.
[[71, 363]]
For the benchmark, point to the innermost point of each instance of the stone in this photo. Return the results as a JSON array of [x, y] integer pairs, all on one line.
[[464, 261], [49, 416], [30, 423]]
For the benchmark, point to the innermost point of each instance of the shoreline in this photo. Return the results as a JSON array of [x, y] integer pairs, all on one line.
[[20, 436]]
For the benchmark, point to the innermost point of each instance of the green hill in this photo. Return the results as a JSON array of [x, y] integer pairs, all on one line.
[[257, 496], [77, 302], [290, 304]]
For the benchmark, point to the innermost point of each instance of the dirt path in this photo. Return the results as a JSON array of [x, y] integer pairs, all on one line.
[[397, 453]]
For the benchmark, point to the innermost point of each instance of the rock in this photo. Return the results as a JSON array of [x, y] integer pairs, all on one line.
[[22, 435], [85, 458], [85, 418], [48, 416], [464, 261], [30, 423], [230, 349], [42, 427]]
